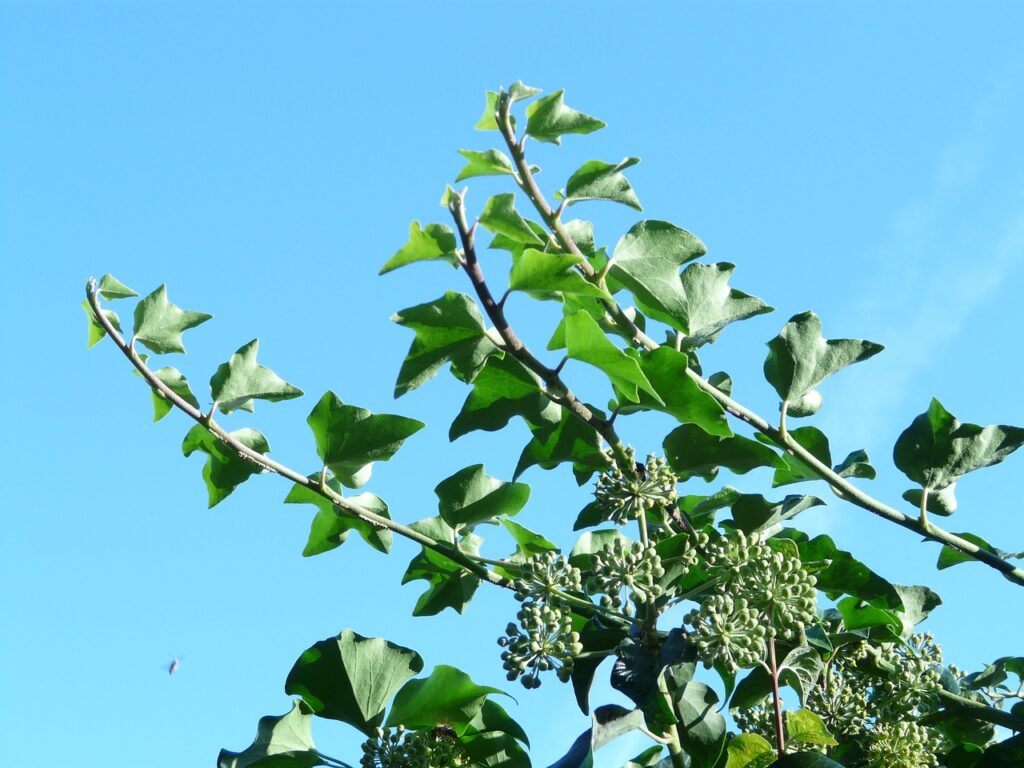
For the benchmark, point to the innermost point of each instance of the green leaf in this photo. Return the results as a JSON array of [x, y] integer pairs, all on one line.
[[942, 502], [159, 324], [471, 496], [541, 273], [350, 439], [447, 696], [949, 557], [845, 574], [112, 288], [800, 670], [692, 452], [796, 471], [519, 91], [856, 464], [487, 121], [97, 331], [501, 217], [752, 512], [681, 397], [859, 615], [448, 329], [528, 543], [752, 689], [799, 357], [175, 381], [281, 742], [597, 180], [595, 638], [224, 469], [429, 243], [547, 119], [586, 342], [242, 379], [593, 541], [805, 760], [352, 678], [649, 758], [918, 602], [449, 585], [701, 728], [488, 163], [331, 525], [570, 440], [504, 388], [711, 304], [936, 449], [749, 750], [647, 261]]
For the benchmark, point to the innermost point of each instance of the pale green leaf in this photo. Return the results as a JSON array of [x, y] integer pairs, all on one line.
[[543, 273], [586, 342], [429, 243], [97, 331], [112, 288], [597, 180], [174, 380], [805, 727], [490, 162], [547, 119], [711, 304], [749, 750], [501, 217]]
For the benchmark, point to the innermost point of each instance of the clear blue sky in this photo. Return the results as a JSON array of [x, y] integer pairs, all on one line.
[[264, 159]]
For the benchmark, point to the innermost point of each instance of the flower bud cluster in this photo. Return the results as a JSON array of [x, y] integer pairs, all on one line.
[[543, 640], [913, 687], [543, 576], [728, 631], [902, 743], [626, 496], [627, 568], [842, 699], [400, 748], [781, 589]]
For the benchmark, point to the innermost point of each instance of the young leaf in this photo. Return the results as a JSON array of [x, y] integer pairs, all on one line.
[[242, 379], [285, 741], [543, 273], [448, 329], [112, 288], [224, 469], [331, 526], [429, 243], [448, 696], [547, 119], [520, 91], [471, 496], [350, 439], [647, 259], [692, 452], [159, 324], [175, 381], [749, 750], [586, 342], [805, 727], [352, 678], [597, 180], [711, 304], [799, 357], [97, 331], [856, 464], [936, 449], [488, 121], [488, 163], [501, 217], [528, 543]]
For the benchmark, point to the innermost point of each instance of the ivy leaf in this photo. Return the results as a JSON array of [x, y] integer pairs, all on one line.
[[350, 439], [429, 243], [159, 324], [805, 727], [528, 543], [948, 557], [352, 678], [224, 469], [447, 696], [649, 758], [805, 760], [936, 449], [488, 121], [859, 615], [543, 273], [471, 496], [692, 452], [97, 331], [586, 342], [504, 388], [800, 670], [491, 740], [597, 180], [449, 584], [491, 162], [711, 304], [845, 574], [796, 471], [569, 440], [331, 526], [749, 750], [547, 119], [242, 379], [281, 742], [112, 288], [501, 217], [175, 381], [856, 464], [519, 91], [593, 541], [799, 357], [448, 329], [595, 638], [701, 728], [647, 259], [918, 602], [752, 512]]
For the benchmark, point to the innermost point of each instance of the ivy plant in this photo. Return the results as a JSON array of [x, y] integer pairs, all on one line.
[[764, 606]]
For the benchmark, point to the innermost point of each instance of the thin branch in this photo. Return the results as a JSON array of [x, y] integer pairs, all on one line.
[[780, 728]]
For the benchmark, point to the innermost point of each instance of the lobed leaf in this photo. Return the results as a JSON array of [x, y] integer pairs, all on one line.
[[112, 288], [542, 274], [281, 742], [548, 119], [501, 217], [569, 440], [430, 243], [331, 526], [224, 469], [174, 380], [159, 324], [597, 180], [447, 696], [241, 380], [471, 496], [586, 342], [711, 304], [490, 162], [749, 750], [97, 331], [692, 452], [504, 388]]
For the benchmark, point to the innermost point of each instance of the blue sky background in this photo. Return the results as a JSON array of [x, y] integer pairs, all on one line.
[[264, 160]]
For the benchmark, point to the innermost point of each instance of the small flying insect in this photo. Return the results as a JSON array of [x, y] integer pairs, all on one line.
[[173, 666]]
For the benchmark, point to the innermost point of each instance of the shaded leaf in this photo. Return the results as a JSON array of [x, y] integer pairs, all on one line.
[[918, 602], [586, 342], [447, 696], [97, 331], [242, 379], [547, 119], [796, 471], [845, 574], [528, 543], [856, 464], [281, 742], [800, 670], [595, 638], [331, 526], [597, 180], [541, 273], [504, 388], [752, 512], [159, 324], [805, 760], [692, 452], [949, 557], [429, 243], [224, 469], [490, 162], [701, 728], [174, 380], [449, 585], [471, 496], [570, 440]]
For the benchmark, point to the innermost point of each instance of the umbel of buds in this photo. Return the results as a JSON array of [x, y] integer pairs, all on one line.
[[625, 496], [437, 748], [544, 576], [543, 640], [728, 631], [625, 571], [902, 743]]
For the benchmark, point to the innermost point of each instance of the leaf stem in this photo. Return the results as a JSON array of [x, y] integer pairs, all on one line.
[[780, 729]]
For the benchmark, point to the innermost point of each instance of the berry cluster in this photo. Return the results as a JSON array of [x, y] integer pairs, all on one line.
[[624, 497], [400, 748], [544, 576], [902, 743], [543, 640], [728, 631], [627, 571]]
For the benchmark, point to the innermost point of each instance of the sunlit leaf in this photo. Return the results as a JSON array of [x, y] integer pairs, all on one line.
[[749, 750], [97, 331], [547, 119], [174, 380], [281, 742], [504, 388], [490, 162], [242, 379], [471, 496], [542, 273], [570, 440], [429, 243], [692, 452], [586, 342], [159, 324], [949, 557], [448, 696], [501, 217], [711, 304], [597, 180], [331, 526], [112, 288]]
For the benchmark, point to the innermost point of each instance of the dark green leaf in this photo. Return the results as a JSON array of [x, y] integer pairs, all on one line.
[[224, 469], [471, 496], [796, 471], [799, 357], [159, 324], [855, 465], [504, 388], [488, 163], [434, 241], [281, 742], [448, 329], [1006, 754], [800, 670], [752, 689], [242, 379], [447, 696], [501, 217], [701, 728], [352, 678], [449, 585], [806, 760], [331, 525], [494, 749], [586, 342], [96, 331], [710, 304], [701, 509], [597, 639], [847, 575], [949, 557], [570, 440], [692, 452], [547, 119], [178, 384], [580, 754], [749, 750], [541, 273], [112, 288], [646, 759], [918, 602], [350, 439], [753, 512], [597, 180]]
